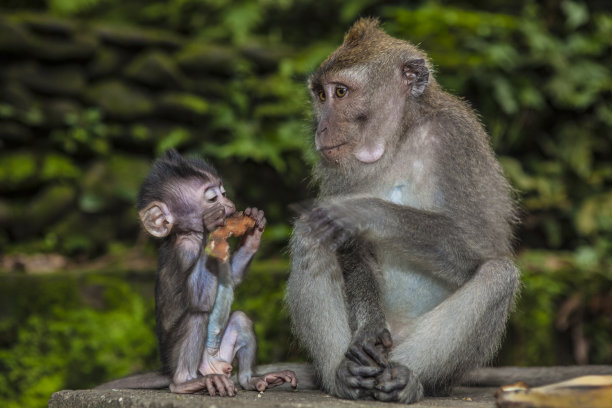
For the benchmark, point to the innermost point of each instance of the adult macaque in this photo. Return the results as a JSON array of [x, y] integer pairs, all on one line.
[[182, 201], [401, 274]]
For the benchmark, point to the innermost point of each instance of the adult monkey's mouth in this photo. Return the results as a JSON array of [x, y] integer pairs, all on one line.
[[329, 148]]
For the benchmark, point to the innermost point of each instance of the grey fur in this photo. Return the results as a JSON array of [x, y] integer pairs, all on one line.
[[436, 210]]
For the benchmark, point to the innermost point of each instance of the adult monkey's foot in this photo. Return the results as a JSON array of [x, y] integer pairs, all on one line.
[[371, 347], [397, 383], [356, 381]]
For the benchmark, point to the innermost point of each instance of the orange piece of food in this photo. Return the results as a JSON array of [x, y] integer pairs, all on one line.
[[236, 225]]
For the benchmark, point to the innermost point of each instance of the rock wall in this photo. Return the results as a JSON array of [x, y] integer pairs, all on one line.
[[84, 107]]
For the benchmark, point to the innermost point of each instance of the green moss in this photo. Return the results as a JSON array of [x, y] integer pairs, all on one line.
[[48, 205], [108, 182], [120, 100], [105, 62], [14, 132], [127, 174], [201, 57], [67, 80], [14, 38], [190, 102], [265, 58], [57, 110], [183, 106], [81, 47], [155, 69], [132, 37], [16, 95], [47, 24], [173, 139], [17, 169], [57, 167]]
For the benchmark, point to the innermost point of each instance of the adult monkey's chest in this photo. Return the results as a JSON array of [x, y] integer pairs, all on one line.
[[408, 287]]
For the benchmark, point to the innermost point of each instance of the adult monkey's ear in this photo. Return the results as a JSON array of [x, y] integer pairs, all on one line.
[[157, 219], [416, 76]]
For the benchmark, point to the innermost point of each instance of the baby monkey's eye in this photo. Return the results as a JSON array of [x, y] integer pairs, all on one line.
[[223, 191], [341, 92], [322, 96], [210, 195]]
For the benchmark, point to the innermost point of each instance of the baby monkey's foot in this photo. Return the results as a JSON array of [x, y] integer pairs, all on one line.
[[272, 380]]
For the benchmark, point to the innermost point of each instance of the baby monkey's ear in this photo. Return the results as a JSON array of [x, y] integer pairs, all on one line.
[[157, 219]]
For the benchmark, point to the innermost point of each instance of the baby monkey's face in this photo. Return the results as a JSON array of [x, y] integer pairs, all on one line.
[[216, 207]]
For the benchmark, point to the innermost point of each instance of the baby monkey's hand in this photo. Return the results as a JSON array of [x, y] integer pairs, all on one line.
[[252, 239]]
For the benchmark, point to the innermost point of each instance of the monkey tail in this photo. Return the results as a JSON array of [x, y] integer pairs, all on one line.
[[150, 380], [156, 380]]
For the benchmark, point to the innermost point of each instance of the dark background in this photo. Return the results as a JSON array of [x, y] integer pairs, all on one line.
[[91, 91]]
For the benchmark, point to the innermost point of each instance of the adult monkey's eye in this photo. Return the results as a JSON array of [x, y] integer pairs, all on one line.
[[341, 92], [322, 96]]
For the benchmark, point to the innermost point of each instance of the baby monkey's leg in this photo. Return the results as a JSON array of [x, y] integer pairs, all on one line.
[[245, 347], [219, 360]]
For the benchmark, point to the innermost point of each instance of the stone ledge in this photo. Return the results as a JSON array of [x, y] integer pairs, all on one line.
[[473, 396], [462, 396]]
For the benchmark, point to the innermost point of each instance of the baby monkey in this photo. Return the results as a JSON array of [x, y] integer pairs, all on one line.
[[181, 202]]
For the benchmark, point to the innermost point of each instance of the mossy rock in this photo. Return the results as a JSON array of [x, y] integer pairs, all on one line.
[[47, 24], [17, 169], [56, 167], [56, 111], [130, 37], [155, 69], [15, 133], [105, 62], [5, 214], [67, 80], [45, 208], [14, 38], [183, 107], [199, 57], [120, 100], [81, 47], [16, 95], [210, 87], [149, 131], [108, 182], [72, 238], [265, 59]]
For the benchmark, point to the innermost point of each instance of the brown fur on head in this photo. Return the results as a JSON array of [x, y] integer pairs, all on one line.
[[366, 43]]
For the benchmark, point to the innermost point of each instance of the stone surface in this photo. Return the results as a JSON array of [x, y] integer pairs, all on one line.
[[183, 107], [155, 69], [67, 80], [14, 39], [105, 62], [120, 100], [206, 58], [132, 37], [46, 24], [82, 47], [461, 397]]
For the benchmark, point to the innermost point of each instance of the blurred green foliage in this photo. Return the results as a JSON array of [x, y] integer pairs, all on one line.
[[226, 79], [69, 331]]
